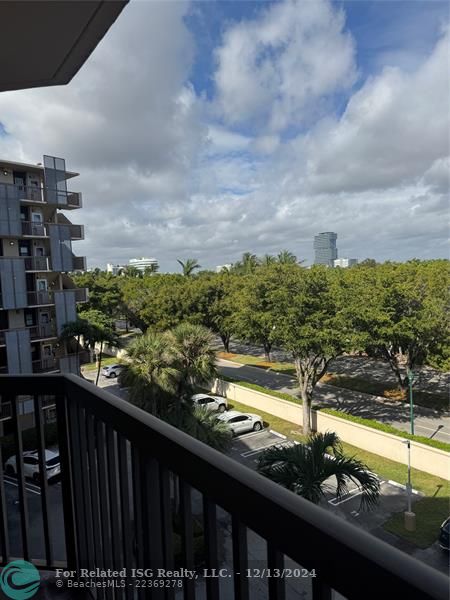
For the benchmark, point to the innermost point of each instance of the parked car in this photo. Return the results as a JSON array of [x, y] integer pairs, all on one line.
[[444, 535], [31, 465], [241, 422], [210, 402], [112, 371]]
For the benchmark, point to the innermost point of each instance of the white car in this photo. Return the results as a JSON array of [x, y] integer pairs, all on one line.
[[112, 370], [241, 422], [31, 464], [210, 402]]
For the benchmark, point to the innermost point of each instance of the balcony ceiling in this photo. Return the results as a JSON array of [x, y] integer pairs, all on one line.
[[45, 42]]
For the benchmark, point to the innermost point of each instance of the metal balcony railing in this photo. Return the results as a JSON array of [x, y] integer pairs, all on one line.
[[79, 263], [76, 232], [39, 195], [40, 298], [135, 492], [37, 263], [42, 331], [35, 229], [37, 332], [44, 365], [22, 192]]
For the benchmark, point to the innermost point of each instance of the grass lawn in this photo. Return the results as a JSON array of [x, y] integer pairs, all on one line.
[[431, 510], [375, 388], [430, 513]]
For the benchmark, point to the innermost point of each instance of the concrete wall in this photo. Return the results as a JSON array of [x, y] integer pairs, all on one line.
[[425, 458]]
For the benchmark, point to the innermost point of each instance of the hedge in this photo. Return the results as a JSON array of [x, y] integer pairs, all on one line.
[[342, 415]]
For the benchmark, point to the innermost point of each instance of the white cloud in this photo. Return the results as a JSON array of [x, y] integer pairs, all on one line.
[[275, 69], [167, 174]]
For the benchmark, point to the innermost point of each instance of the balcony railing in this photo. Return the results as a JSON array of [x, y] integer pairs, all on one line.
[[36, 194], [44, 365], [40, 298], [22, 192], [135, 491], [37, 332], [79, 263], [37, 263], [34, 229]]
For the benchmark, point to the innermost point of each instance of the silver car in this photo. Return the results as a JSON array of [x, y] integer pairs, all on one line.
[[31, 465], [112, 370], [241, 422], [210, 402]]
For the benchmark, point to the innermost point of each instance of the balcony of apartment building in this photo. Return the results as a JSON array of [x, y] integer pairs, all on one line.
[[40, 195], [136, 493], [37, 229]]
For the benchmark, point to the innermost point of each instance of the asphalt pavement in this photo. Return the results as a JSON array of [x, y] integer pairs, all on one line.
[[427, 422]]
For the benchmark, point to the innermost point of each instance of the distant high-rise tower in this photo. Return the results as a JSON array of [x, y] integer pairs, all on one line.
[[325, 249]]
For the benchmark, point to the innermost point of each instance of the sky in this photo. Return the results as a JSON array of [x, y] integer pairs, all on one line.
[[208, 129]]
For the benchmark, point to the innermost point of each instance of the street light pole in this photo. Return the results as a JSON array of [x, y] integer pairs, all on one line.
[[408, 485], [411, 405], [410, 517]]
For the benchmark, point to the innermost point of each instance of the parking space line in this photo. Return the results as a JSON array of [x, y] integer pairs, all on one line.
[[280, 435], [257, 450], [28, 486], [351, 494], [250, 434]]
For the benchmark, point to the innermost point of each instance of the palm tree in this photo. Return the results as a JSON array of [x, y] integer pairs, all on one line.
[[286, 258], [195, 356], [304, 469], [204, 426], [151, 376], [268, 259], [189, 266]]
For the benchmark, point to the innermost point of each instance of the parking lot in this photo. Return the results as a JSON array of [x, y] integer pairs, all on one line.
[[247, 448]]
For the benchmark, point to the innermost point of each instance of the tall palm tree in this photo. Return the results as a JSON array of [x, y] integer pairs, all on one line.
[[195, 356], [151, 375], [189, 266], [304, 469], [286, 258]]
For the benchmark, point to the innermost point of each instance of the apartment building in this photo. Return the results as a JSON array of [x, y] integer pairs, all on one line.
[[37, 296], [325, 249]]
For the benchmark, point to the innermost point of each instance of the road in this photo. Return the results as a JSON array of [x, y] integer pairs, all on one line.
[[427, 422]]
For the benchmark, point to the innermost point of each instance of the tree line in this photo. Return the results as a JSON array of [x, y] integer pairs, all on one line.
[[397, 312]]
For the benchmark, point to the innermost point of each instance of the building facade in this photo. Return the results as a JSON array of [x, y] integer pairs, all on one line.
[[37, 296], [143, 263], [343, 263], [114, 269], [325, 249]]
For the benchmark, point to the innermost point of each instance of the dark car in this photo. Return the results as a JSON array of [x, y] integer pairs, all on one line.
[[444, 535]]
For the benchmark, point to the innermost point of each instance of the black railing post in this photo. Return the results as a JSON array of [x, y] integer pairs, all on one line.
[[43, 478], [23, 505], [66, 482]]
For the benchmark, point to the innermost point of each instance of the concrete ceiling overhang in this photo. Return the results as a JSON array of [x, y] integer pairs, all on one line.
[[46, 42]]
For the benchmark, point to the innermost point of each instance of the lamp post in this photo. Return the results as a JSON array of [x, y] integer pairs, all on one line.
[[410, 517], [411, 405]]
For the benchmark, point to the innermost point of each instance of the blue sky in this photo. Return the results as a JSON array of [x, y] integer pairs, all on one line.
[[208, 129]]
